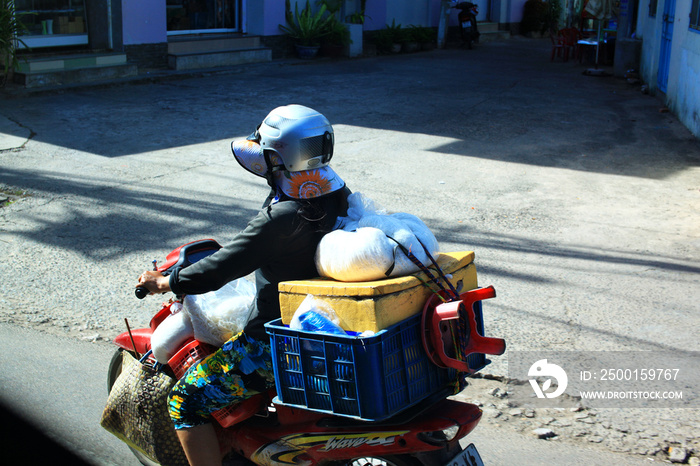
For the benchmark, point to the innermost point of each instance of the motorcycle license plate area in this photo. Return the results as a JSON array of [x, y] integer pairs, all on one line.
[[468, 457], [467, 25]]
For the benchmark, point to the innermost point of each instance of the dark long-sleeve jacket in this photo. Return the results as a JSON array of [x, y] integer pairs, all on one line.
[[279, 244]]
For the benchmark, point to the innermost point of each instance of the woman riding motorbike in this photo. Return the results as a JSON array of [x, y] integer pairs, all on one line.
[[291, 149]]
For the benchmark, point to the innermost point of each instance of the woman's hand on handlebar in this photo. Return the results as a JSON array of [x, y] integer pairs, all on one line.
[[154, 282]]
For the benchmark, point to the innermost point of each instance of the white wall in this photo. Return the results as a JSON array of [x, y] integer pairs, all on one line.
[[684, 77], [687, 91], [650, 34], [683, 90]]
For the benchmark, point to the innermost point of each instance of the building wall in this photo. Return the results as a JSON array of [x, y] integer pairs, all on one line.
[[273, 16], [514, 11], [683, 90], [687, 90], [415, 13], [684, 79], [650, 35], [144, 22], [376, 15], [265, 16], [427, 12]]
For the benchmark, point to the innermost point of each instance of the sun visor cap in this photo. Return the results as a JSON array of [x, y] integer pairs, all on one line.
[[306, 184], [250, 155]]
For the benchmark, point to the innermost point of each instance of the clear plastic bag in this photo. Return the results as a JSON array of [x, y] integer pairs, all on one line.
[[314, 315], [218, 315]]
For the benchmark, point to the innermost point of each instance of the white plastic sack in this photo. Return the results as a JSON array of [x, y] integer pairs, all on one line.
[[409, 233], [218, 315], [421, 230], [354, 256], [169, 336], [358, 206], [365, 247]]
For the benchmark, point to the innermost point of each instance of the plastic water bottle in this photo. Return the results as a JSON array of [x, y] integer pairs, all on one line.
[[312, 321]]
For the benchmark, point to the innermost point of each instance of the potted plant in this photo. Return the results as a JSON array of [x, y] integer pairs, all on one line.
[[388, 40], [410, 39], [306, 28], [425, 36], [336, 39], [394, 35], [10, 28]]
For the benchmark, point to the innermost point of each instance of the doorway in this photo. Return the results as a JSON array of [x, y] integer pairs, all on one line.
[[666, 38]]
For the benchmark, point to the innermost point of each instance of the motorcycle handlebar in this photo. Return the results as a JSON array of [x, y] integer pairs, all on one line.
[[141, 292]]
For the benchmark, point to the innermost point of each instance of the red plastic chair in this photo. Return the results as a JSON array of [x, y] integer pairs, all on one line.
[[570, 37], [558, 47]]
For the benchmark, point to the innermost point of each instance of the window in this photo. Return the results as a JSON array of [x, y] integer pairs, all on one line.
[[652, 7], [202, 15], [695, 15], [49, 17], [52, 23]]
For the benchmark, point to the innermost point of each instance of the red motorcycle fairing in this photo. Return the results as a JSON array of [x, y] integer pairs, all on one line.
[[307, 437], [141, 340]]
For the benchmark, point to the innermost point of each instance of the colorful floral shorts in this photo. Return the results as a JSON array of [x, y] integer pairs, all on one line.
[[241, 368]]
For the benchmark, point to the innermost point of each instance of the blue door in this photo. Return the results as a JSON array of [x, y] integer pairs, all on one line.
[[666, 36]]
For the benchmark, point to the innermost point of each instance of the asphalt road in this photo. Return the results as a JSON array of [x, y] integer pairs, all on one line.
[[58, 399], [580, 195]]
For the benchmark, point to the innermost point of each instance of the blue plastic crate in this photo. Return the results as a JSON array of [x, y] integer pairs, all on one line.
[[370, 378]]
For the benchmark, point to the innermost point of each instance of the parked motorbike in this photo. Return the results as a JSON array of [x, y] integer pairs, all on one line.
[[267, 431], [467, 21]]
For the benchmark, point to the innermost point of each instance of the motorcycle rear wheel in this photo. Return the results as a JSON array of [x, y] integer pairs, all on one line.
[[402, 460], [115, 368]]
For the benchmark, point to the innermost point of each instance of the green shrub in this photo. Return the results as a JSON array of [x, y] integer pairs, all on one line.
[[336, 33], [306, 28], [10, 27], [534, 17]]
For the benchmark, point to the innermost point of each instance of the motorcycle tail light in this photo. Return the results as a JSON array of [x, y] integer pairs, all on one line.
[[451, 432], [440, 437]]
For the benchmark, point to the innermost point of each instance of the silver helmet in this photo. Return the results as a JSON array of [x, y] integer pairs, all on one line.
[[300, 136], [292, 149]]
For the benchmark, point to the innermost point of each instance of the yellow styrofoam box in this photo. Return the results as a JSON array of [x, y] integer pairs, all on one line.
[[378, 304]]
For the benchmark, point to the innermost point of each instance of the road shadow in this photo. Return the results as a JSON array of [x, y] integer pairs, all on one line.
[[501, 101], [106, 220]]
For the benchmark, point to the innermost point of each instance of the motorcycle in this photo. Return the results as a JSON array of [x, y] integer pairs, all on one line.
[[266, 430], [467, 22]]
